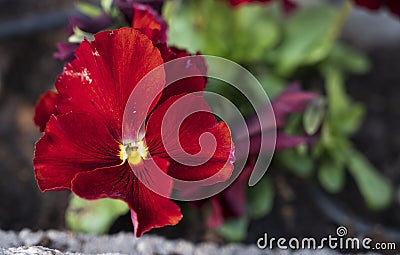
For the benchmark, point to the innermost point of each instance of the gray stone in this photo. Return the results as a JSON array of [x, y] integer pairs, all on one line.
[[184, 247], [30, 238], [120, 243], [234, 249], [34, 250], [9, 239], [206, 248], [64, 241], [124, 243]]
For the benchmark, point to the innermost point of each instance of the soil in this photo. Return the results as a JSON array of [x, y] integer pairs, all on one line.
[[27, 69]]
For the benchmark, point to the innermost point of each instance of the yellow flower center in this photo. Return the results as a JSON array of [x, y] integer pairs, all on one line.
[[134, 152]]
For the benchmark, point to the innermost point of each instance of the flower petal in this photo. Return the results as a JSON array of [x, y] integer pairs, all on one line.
[[291, 100], [45, 107], [216, 218], [285, 141], [187, 136], [148, 209], [149, 22], [151, 210], [65, 51], [194, 67], [114, 182], [231, 203], [72, 143], [126, 6], [221, 161], [91, 24], [101, 78]]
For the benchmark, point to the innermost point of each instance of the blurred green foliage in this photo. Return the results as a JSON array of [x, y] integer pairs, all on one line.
[[93, 216], [260, 198]]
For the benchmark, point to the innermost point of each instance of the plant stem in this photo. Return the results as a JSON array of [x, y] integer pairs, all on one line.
[[341, 18]]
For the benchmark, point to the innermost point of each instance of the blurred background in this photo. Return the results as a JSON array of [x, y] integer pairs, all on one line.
[[299, 204]]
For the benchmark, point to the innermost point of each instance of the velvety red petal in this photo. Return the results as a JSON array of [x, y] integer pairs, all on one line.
[[221, 162], [149, 22], [113, 182], [220, 153], [148, 209], [151, 210], [45, 107], [101, 78], [171, 53], [193, 67], [72, 143]]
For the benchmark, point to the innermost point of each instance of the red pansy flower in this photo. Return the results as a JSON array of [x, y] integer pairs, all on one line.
[[392, 5], [82, 149]]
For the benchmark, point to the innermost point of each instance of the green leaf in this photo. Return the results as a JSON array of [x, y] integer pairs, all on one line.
[[308, 38], [300, 164], [93, 216], [376, 189], [251, 24], [272, 85], [338, 101], [331, 176], [351, 121], [189, 25], [260, 198], [106, 5], [234, 230], [202, 26], [314, 114], [79, 36], [347, 59], [344, 116], [338, 148], [293, 123], [89, 10]]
